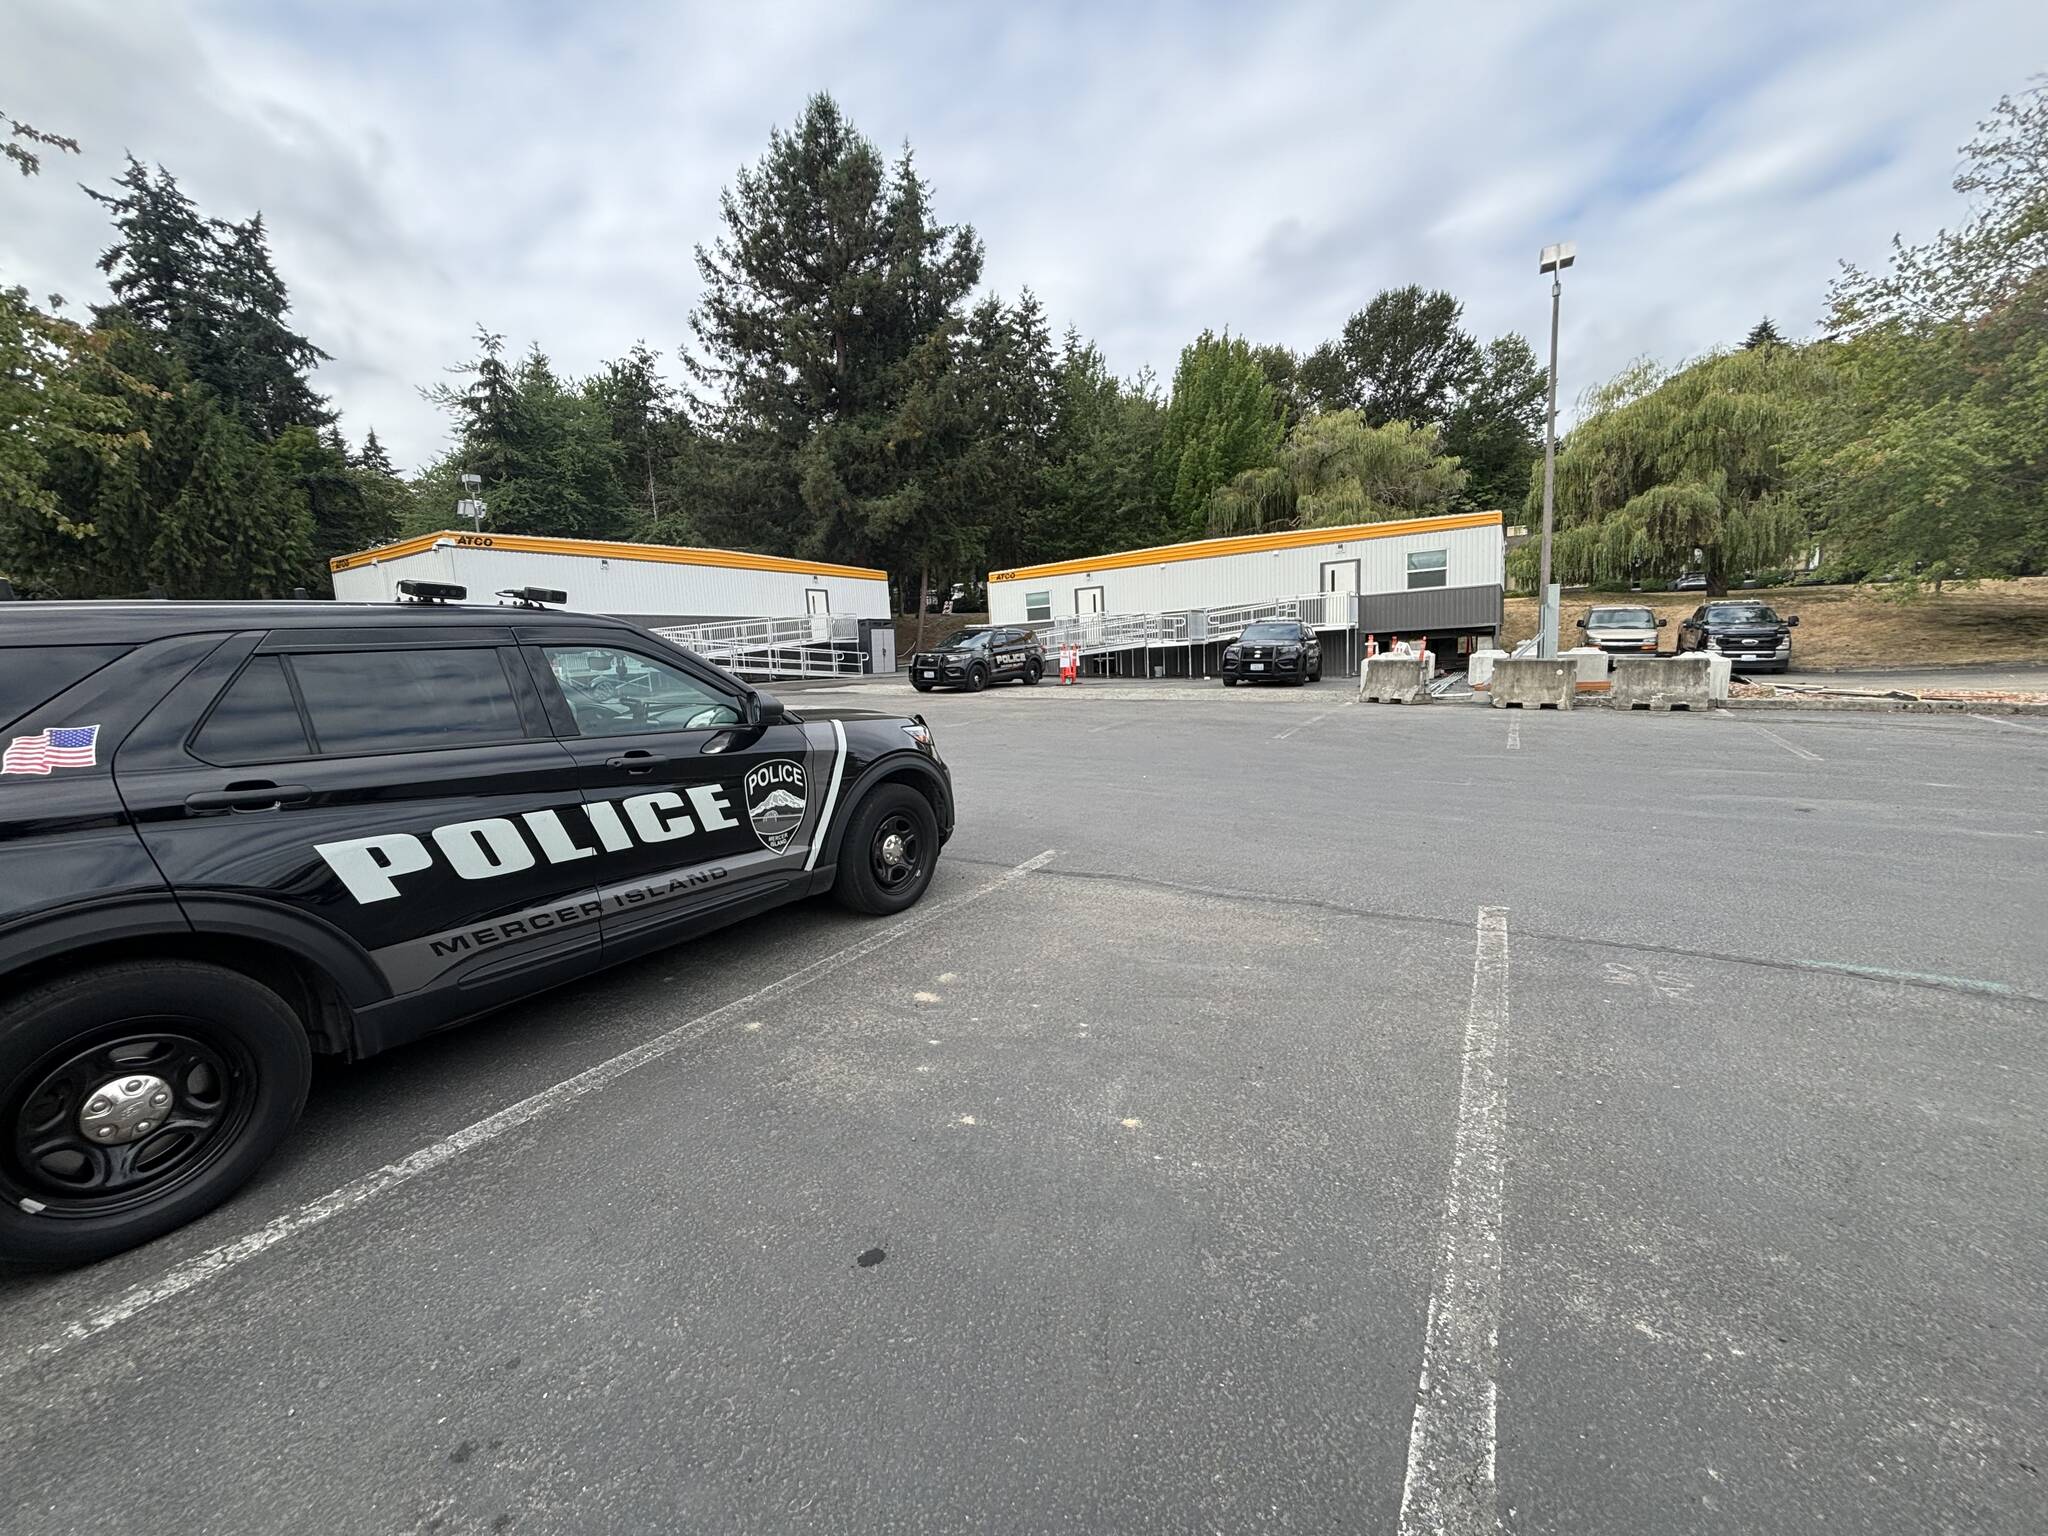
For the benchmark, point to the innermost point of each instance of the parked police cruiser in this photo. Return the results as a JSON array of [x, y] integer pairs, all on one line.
[[974, 658], [236, 835]]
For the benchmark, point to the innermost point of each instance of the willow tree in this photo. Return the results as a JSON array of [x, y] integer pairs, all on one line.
[[1696, 468], [1334, 470]]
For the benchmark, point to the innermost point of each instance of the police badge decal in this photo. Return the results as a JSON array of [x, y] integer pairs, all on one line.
[[775, 802]]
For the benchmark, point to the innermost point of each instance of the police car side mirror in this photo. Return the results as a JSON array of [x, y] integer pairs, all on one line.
[[764, 709]]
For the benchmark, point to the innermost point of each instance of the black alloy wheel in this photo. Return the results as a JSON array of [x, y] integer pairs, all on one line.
[[1034, 669], [896, 853], [106, 1126], [134, 1097], [977, 678], [888, 852]]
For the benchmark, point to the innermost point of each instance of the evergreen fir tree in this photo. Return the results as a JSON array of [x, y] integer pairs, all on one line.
[[373, 457]]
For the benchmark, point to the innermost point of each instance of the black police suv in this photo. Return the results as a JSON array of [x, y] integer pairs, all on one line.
[[1750, 634], [974, 658], [237, 835], [1273, 651]]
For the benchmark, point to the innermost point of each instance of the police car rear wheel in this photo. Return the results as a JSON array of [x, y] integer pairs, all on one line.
[[886, 857], [134, 1097], [1033, 671]]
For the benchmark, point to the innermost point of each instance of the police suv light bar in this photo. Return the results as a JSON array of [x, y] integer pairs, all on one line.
[[432, 591], [534, 597]]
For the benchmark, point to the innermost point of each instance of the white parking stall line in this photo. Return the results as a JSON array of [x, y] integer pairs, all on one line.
[[1312, 720], [2016, 725], [216, 1261], [1450, 1487], [1515, 733], [1793, 748]]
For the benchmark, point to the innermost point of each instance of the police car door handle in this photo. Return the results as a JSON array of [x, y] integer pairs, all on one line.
[[248, 797], [638, 760]]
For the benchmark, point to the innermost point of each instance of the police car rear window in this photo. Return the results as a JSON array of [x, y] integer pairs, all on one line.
[[256, 720], [35, 674], [406, 701]]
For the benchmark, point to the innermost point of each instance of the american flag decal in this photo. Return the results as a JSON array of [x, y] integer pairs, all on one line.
[[62, 746]]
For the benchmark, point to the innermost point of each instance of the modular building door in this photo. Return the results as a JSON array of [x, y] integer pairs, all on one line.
[[1340, 587]]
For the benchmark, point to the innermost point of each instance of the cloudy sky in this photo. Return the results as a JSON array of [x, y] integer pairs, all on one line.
[[546, 169]]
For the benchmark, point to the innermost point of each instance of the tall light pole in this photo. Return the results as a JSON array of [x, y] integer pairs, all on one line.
[[1554, 260]]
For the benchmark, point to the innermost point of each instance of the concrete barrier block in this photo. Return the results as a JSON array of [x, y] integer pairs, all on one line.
[[1719, 670], [1394, 680], [1592, 663], [1664, 682], [1479, 666], [1531, 682]]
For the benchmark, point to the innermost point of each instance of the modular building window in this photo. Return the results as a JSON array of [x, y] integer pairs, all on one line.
[[1037, 606], [1427, 568]]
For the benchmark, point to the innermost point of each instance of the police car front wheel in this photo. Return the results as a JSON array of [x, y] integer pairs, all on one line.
[[135, 1097], [886, 857]]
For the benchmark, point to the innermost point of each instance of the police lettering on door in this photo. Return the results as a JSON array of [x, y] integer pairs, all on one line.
[[373, 867]]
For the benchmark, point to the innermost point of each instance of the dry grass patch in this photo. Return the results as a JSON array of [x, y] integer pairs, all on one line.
[[1853, 627]]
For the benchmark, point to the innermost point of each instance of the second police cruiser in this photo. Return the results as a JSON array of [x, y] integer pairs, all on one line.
[[238, 835]]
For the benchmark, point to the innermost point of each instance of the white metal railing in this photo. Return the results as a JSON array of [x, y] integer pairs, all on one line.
[[1318, 610], [803, 645], [797, 661], [732, 636], [1092, 632], [1096, 632]]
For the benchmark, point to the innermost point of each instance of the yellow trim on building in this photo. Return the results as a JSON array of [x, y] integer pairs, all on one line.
[[1250, 544], [660, 554]]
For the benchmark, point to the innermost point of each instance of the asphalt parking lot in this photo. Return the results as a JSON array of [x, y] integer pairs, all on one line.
[[1662, 1096]]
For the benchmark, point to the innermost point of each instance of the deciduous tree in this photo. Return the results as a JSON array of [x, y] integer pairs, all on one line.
[[1221, 420]]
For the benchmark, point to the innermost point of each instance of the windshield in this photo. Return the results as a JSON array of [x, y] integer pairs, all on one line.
[[1621, 618], [1741, 613], [1266, 634], [964, 640]]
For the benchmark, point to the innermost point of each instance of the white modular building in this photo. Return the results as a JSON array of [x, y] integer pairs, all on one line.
[[757, 614], [1435, 577], [649, 583]]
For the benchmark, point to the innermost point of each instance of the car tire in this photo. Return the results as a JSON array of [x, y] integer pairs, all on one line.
[[1317, 675], [977, 678], [229, 1054], [921, 687], [1229, 682], [1033, 671], [873, 878]]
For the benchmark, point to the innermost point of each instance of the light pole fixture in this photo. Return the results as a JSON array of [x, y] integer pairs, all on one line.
[[1554, 260], [471, 506]]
